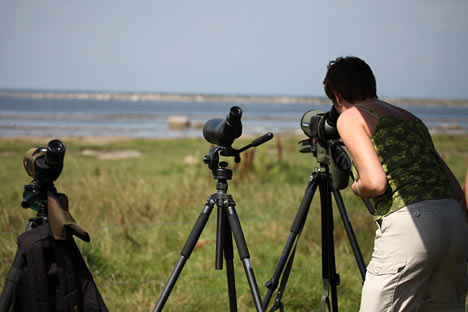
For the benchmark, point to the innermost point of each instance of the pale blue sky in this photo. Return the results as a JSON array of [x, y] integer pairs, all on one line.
[[417, 48]]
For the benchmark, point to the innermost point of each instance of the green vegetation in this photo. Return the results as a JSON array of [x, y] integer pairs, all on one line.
[[139, 212]]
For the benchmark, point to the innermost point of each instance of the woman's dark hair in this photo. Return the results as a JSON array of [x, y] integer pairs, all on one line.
[[351, 77]]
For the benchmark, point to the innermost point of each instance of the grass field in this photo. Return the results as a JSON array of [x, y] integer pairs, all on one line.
[[140, 209]]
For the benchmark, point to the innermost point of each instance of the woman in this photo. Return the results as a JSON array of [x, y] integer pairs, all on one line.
[[419, 262]]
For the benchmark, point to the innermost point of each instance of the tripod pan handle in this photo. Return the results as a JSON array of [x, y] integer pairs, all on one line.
[[264, 138]]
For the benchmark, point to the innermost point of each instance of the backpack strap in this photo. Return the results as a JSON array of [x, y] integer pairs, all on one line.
[[64, 269], [368, 111], [16, 289], [32, 245]]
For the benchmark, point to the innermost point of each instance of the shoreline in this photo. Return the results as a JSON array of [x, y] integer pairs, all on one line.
[[298, 134], [125, 116], [188, 97]]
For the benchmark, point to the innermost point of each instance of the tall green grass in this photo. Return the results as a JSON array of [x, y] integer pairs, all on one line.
[[140, 211]]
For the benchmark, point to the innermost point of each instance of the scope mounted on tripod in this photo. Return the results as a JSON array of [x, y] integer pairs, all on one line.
[[222, 133], [45, 163]]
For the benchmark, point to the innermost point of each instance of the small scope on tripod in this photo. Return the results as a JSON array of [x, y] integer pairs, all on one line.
[[45, 163], [223, 132]]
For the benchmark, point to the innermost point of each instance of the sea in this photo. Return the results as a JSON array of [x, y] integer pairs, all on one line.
[[50, 117]]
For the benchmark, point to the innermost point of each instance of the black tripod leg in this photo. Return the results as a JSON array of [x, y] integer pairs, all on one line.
[[296, 227], [229, 257], [185, 253], [330, 278], [244, 255], [220, 234], [351, 236], [6, 299]]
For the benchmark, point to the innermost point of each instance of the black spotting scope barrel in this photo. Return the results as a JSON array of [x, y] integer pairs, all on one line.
[[223, 132]]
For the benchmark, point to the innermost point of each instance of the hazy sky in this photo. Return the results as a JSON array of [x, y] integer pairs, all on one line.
[[417, 48]]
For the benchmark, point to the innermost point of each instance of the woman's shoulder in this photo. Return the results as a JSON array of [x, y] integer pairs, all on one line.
[[351, 114], [353, 111], [357, 117], [350, 117]]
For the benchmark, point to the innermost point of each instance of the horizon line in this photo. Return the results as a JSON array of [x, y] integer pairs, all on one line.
[[134, 96]]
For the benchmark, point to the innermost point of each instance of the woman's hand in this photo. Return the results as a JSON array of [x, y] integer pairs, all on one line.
[[355, 188]]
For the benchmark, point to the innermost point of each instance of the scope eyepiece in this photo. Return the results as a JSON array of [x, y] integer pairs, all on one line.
[[55, 152], [234, 117], [330, 132], [223, 132]]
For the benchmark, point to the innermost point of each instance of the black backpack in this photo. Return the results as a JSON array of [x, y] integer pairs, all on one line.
[[55, 277]]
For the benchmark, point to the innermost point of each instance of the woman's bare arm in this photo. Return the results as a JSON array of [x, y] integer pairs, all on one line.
[[372, 178]]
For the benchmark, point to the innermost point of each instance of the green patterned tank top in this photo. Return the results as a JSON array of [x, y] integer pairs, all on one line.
[[414, 173]]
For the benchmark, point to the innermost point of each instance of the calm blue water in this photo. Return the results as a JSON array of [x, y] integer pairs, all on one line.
[[62, 118]]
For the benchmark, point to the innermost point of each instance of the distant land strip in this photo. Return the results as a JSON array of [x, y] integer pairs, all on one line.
[[185, 97]]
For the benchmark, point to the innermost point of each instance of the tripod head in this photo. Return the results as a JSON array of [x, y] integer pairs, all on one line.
[[332, 158], [218, 168]]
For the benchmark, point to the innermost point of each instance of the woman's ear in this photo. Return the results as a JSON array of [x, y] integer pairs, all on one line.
[[338, 101]]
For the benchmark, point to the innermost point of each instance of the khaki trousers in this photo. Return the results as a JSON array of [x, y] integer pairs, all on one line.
[[419, 262]]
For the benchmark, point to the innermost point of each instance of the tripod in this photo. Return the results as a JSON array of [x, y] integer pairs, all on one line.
[[228, 225], [322, 179], [31, 192]]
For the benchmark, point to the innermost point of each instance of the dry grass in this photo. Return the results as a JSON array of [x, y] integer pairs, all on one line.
[[139, 212]]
